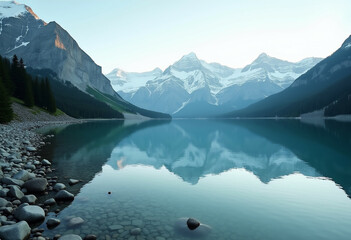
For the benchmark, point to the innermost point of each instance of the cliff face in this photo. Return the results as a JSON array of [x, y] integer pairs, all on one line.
[[49, 46]]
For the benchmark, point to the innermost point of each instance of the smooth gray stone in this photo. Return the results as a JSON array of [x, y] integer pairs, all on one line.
[[11, 181], [73, 181], [31, 199], [15, 192], [23, 175], [29, 166], [4, 192], [7, 210], [36, 185], [45, 162], [18, 231], [64, 195], [31, 149], [29, 213], [52, 222], [3, 202], [50, 202], [59, 186], [70, 237]]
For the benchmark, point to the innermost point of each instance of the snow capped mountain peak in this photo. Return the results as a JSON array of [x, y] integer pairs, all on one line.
[[187, 63], [11, 9], [190, 85]]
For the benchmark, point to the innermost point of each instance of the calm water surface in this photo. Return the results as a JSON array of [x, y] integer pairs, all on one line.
[[247, 179]]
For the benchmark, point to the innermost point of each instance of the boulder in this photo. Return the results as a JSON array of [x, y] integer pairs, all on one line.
[[29, 213], [18, 231], [64, 195], [36, 185]]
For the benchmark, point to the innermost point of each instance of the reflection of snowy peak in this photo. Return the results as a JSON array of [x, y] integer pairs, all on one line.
[[193, 88], [218, 149]]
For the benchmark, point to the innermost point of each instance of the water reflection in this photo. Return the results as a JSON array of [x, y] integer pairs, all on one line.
[[239, 177], [193, 149]]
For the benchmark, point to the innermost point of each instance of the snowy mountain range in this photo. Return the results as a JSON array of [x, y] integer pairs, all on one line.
[[324, 90], [194, 88]]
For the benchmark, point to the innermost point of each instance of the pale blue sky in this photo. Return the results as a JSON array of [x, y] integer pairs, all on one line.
[[138, 35]]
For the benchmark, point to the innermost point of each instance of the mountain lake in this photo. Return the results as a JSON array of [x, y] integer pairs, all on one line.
[[242, 179]]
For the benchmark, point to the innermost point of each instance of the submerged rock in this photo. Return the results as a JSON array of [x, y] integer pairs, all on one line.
[[90, 237], [192, 223], [181, 227], [73, 181], [75, 221], [70, 237], [135, 231], [52, 223], [18, 231]]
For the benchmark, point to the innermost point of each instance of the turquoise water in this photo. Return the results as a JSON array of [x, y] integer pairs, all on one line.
[[246, 179]]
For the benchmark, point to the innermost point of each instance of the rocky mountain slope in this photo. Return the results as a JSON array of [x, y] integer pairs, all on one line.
[[48, 46], [194, 88]]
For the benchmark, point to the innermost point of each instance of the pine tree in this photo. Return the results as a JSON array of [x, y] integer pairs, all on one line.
[[36, 92], [6, 113], [5, 74], [51, 105], [28, 92], [15, 76]]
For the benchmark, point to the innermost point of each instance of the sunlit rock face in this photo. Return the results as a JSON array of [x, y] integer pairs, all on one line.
[[43, 45]]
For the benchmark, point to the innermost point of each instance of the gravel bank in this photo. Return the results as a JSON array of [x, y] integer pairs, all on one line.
[[23, 175]]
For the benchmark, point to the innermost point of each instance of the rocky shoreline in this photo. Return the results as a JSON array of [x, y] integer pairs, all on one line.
[[23, 178]]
